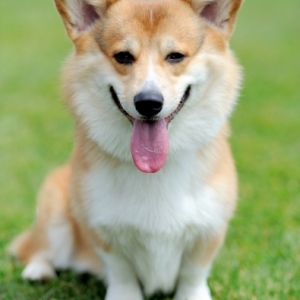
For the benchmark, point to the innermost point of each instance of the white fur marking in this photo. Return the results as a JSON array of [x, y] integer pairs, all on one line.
[[60, 236], [38, 269], [151, 17], [166, 220], [151, 81]]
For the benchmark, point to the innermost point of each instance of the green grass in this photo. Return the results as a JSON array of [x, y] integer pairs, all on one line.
[[261, 256]]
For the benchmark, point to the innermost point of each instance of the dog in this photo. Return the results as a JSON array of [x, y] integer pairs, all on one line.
[[145, 201]]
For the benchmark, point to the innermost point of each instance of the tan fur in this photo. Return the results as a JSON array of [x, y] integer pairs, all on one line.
[[63, 196], [53, 202], [204, 255], [53, 206]]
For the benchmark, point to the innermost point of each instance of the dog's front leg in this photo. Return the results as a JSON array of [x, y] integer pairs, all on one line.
[[192, 284], [121, 279]]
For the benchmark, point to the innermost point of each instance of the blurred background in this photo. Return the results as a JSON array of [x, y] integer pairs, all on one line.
[[261, 255]]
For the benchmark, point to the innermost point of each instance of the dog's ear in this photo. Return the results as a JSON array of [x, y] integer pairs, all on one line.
[[79, 16], [220, 13]]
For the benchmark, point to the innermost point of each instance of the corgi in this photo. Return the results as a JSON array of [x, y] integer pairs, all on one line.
[[145, 201]]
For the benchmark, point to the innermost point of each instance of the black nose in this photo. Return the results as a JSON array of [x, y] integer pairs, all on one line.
[[148, 104]]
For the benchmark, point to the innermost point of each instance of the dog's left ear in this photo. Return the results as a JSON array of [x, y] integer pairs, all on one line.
[[79, 16], [220, 13]]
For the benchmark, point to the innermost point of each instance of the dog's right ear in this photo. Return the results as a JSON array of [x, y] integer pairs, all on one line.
[[80, 16]]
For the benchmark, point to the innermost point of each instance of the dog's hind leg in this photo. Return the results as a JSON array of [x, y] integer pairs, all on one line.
[[50, 242], [54, 242], [30, 249]]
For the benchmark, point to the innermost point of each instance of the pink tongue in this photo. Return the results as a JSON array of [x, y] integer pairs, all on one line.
[[149, 145]]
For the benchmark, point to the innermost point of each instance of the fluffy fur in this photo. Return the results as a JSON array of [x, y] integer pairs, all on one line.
[[100, 213]]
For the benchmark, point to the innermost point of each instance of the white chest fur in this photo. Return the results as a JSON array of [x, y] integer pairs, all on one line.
[[153, 219]]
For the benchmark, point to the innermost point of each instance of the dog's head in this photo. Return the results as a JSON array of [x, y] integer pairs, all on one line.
[[158, 73]]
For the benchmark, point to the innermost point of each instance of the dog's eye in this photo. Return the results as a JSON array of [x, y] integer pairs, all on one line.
[[175, 57], [124, 58]]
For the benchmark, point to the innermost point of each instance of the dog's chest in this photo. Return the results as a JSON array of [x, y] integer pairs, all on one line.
[[152, 220], [167, 202]]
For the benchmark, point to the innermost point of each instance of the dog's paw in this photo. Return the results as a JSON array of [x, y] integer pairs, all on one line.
[[123, 292], [200, 293], [38, 270]]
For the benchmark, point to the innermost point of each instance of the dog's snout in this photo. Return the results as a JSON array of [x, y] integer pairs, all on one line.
[[149, 103]]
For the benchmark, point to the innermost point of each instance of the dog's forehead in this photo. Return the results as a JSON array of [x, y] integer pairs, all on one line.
[[129, 21]]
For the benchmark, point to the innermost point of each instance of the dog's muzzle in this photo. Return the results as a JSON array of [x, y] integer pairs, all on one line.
[[149, 104]]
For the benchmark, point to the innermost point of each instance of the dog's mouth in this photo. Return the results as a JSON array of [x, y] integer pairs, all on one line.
[[149, 140]]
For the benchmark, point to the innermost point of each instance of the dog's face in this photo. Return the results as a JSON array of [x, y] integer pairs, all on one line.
[[150, 77]]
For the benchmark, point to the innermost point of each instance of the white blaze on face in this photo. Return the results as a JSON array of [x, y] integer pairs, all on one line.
[[151, 81], [151, 16]]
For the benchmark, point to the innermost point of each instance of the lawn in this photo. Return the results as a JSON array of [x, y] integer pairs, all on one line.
[[261, 256]]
